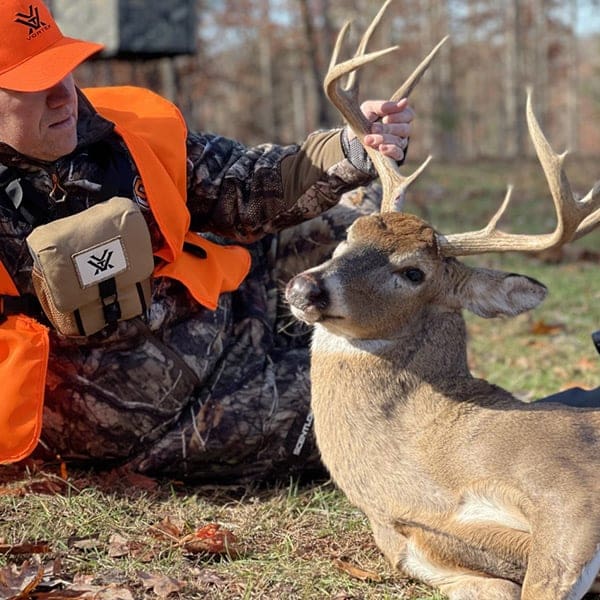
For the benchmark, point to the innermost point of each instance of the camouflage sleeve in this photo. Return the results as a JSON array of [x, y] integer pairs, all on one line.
[[245, 192]]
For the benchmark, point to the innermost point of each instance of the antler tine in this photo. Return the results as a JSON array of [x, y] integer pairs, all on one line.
[[575, 218], [588, 224], [592, 199], [409, 85], [364, 42], [346, 100]]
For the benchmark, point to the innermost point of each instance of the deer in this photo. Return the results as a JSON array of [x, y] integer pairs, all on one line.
[[466, 488]]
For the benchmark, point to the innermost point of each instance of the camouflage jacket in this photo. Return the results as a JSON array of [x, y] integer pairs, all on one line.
[[188, 392]]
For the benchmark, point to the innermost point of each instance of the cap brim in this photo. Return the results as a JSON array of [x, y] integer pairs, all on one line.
[[48, 67]]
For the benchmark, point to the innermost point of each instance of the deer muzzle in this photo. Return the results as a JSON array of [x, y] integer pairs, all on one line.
[[307, 297]]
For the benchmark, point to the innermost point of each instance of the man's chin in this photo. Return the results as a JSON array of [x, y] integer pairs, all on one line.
[[58, 147]]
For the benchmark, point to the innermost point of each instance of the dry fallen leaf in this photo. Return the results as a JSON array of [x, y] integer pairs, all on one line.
[[17, 583], [213, 539], [118, 546], [133, 479], [542, 328], [96, 592], [208, 577], [25, 548], [167, 529], [162, 585], [356, 572], [89, 543]]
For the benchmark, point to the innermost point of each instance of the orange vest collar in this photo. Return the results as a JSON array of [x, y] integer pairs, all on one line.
[[155, 134]]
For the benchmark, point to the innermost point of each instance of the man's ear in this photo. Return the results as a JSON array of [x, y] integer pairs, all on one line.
[[489, 293]]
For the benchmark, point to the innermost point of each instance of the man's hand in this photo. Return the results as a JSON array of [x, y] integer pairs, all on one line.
[[391, 126]]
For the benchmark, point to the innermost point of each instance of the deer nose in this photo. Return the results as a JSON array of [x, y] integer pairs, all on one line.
[[306, 290]]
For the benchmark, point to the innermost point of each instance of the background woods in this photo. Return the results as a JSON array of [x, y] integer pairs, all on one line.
[[253, 71], [257, 70]]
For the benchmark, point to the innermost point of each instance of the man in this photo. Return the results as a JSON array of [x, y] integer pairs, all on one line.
[[211, 381]]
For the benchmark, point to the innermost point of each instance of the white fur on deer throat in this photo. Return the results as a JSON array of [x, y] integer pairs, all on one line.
[[327, 342]]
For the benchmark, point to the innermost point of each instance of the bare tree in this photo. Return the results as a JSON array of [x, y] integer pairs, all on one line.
[[311, 49], [572, 78], [515, 139]]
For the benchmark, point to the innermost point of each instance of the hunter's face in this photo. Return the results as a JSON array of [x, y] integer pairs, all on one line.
[[40, 125]]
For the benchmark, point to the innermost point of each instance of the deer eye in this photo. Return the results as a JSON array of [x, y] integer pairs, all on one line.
[[414, 275]]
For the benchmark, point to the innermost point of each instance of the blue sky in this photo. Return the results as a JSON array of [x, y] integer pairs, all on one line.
[[589, 19]]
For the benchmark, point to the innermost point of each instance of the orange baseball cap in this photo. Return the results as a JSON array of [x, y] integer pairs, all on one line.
[[34, 54]]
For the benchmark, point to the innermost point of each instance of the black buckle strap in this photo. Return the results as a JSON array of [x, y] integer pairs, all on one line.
[[110, 300]]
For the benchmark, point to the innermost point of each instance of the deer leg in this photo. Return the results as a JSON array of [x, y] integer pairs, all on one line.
[[481, 588], [390, 542], [457, 583], [465, 561], [415, 560], [563, 569], [484, 548]]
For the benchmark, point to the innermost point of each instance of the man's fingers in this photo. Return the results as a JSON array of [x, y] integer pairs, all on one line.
[[391, 126], [392, 151], [395, 129], [386, 109], [375, 140], [404, 116]]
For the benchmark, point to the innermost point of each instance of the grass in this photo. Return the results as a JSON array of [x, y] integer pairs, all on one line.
[[290, 539], [550, 348], [117, 536]]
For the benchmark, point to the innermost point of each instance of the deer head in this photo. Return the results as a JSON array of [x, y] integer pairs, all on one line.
[[392, 265]]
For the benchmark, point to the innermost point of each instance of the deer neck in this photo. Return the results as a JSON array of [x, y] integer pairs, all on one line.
[[431, 349], [365, 391]]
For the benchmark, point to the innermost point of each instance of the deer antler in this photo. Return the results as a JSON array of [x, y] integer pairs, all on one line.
[[575, 218], [345, 99]]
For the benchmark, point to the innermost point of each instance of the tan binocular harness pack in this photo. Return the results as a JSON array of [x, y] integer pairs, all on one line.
[[93, 269]]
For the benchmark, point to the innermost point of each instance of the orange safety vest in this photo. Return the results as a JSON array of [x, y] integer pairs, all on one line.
[[155, 134]]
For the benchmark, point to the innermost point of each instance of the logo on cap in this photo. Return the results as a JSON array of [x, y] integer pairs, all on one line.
[[32, 20]]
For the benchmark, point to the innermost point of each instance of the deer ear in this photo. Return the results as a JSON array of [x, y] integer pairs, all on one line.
[[490, 293]]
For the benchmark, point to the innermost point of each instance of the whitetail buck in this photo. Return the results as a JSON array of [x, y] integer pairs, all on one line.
[[466, 488]]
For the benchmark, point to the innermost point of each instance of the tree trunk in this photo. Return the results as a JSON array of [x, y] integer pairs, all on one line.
[[514, 93], [312, 45], [573, 80]]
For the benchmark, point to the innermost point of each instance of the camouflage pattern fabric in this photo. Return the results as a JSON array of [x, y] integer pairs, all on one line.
[[187, 393]]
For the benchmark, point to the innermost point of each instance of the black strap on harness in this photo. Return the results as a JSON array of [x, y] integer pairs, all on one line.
[[34, 206]]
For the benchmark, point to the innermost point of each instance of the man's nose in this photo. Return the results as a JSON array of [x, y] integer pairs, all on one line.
[[59, 93]]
